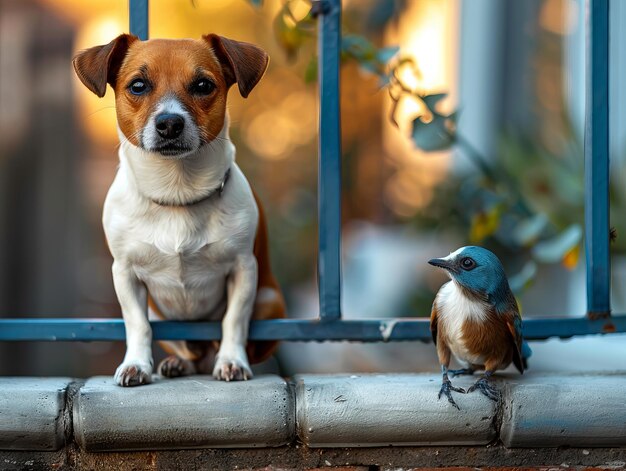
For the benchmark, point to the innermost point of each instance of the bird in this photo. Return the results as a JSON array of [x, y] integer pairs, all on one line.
[[475, 317]]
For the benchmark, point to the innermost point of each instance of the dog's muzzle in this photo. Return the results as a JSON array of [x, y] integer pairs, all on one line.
[[169, 125], [171, 131]]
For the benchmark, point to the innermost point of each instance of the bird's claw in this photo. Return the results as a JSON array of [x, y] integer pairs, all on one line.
[[487, 389], [446, 387], [462, 371]]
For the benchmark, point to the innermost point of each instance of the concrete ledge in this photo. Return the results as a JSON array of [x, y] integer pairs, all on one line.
[[565, 410], [191, 412], [392, 409], [333, 411], [31, 413]]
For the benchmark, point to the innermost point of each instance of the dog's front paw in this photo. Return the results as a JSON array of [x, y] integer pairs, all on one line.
[[133, 374], [231, 369]]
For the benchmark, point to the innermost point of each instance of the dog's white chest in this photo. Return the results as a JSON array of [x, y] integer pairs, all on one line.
[[176, 234], [183, 267], [172, 244], [183, 255]]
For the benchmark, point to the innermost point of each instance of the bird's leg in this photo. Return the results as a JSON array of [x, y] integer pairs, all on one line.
[[446, 387], [462, 371], [484, 387]]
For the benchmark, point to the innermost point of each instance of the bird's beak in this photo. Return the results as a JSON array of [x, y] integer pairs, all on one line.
[[441, 263]]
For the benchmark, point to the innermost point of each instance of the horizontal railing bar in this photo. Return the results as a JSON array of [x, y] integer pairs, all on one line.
[[369, 330]]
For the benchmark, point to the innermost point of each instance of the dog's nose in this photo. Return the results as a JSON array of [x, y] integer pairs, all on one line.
[[169, 126]]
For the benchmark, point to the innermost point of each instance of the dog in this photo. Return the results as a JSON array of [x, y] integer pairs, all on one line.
[[187, 233]]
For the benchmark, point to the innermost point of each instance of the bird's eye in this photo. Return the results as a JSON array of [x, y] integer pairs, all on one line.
[[202, 87], [467, 263], [138, 87]]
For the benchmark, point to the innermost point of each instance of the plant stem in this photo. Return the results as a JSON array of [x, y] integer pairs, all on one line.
[[496, 178], [475, 156]]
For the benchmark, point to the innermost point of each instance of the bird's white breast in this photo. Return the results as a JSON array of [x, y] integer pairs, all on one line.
[[454, 308]]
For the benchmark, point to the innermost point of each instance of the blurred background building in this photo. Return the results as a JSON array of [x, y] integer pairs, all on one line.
[[514, 71]]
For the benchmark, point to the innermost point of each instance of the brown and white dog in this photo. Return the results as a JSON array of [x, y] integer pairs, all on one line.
[[186, 231]]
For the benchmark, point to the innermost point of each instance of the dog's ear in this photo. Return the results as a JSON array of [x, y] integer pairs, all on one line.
[[243, 63], [100, 65]]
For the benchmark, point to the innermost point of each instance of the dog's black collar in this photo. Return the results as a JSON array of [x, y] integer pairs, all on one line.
[[216, 191]]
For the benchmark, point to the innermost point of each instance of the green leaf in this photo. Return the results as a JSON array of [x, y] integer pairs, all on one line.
[[431, 100], [369, 58], [553, 250], [310, 74], [291, 33], [357, 47], [524, 277], [369, 66], [385, 54], [453, 117], [383, 80], [256, 3], [484, 224], [434, 135]]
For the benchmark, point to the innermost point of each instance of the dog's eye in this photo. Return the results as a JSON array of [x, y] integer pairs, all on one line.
[[138, 87], [202, 87], [467, 263]]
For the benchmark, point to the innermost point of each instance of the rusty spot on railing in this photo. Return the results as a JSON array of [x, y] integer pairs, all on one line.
[[609, 328], [595, 316]]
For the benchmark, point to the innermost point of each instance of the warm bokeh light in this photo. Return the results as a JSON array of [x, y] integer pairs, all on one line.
[[274, 127], [299, 9], [79, 11], [97, 114], [282, 115], [427, 32], [559, 16], [97, 22], [276, 132]]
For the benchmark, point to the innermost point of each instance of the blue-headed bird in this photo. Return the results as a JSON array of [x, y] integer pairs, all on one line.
[[475, 318]]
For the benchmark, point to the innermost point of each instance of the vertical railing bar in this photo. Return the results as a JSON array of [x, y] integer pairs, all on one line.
[[597, 159], [138, 18], [329, 175]]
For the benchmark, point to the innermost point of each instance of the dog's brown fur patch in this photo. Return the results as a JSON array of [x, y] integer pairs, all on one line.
[[170, 67]]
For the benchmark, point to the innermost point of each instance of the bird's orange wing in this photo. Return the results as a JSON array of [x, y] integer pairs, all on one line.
[[514, 324], [433, 322]]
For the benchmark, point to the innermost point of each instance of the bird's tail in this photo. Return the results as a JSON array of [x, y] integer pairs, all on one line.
[[526, 354]]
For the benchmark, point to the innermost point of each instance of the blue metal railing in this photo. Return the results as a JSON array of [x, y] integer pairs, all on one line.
[[597, 159], [138, 15], [329, 175], [330, 326]]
